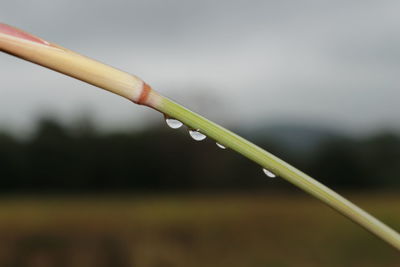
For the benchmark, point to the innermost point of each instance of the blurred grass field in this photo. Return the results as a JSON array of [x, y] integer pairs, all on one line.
[[257, 230]]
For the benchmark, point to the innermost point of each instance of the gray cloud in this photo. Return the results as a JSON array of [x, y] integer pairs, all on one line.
[[329, 62]]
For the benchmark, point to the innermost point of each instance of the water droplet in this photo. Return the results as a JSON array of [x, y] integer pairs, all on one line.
[[220, 146], [196, 135], [269, 174], [172, 123]]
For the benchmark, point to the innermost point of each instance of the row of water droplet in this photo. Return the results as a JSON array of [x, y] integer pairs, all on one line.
[[198, 136], [195, 134]]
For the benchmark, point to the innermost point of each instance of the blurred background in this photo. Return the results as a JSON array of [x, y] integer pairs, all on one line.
[[89, 179]]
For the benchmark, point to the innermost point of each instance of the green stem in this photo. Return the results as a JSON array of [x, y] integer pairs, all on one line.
[[29, 47], [280, 168]]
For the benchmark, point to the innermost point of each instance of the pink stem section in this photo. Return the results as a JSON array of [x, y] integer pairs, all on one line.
[[7, 29]]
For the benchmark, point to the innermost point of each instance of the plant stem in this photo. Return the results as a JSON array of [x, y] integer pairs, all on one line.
[[36, 50], [280, 168]]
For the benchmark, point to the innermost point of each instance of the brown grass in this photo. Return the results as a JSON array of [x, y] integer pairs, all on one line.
[[201, 230]]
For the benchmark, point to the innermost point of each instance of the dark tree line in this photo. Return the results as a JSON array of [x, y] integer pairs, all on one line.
[[80, 159]]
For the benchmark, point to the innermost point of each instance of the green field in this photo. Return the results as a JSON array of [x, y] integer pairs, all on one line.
[[191, 230]]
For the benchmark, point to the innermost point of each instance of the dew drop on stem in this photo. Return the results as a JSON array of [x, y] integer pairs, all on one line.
[[220, 146], [269, 173], [173, 123], [196, 135]]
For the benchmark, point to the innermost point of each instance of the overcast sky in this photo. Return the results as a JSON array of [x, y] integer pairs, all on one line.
[[333, 63]]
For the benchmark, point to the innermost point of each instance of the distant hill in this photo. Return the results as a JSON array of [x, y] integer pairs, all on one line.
[[295, 138]]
